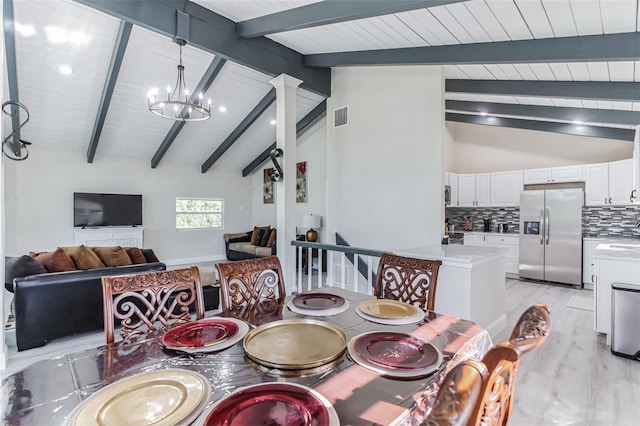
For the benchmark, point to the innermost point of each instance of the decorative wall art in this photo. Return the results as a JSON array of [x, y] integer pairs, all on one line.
[[301, 182], [267, 186]]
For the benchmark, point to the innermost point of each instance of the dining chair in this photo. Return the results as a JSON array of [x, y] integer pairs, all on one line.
[[532, 328], [408, 280], [140, 301], [458, 395], [252, 289]]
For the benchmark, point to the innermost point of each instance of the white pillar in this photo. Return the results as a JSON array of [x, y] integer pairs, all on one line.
[[286, 189]]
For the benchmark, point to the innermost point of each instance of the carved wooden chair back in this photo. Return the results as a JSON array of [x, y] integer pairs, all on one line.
[[408, 280], [458, 395], [494, 405], [532, 328], [252, 288], [140, 301]]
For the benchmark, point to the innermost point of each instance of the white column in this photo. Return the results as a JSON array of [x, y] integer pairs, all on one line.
[[286, 189], [3, 314]]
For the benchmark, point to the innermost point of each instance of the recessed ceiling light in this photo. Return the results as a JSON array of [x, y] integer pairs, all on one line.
[[273, 122], [222, 108], [577, 122], [24, 30], [58, 35], [65, 69]]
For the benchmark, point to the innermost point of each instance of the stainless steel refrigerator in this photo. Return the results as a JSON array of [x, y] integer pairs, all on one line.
[[551, 235]]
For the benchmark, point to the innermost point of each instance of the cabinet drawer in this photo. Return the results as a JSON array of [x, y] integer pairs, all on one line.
[[511, 240]]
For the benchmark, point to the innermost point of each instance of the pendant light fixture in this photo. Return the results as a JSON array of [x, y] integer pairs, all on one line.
[[177, 105]]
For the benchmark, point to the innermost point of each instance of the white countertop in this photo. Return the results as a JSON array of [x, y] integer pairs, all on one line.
[[454, 254], [618, 250]]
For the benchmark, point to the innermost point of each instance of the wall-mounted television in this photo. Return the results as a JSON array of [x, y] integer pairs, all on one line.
[[91, 209]]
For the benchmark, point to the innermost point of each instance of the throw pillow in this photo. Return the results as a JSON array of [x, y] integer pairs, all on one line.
[[265, 238], [17, 267], [84, 257], [56, 261], [254, 235], [149, 255], [259, 237], [136, 256], [272, 238], [113, 256]]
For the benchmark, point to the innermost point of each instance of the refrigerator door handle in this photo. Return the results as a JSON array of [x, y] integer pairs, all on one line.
[[542, 231], [546, 225]]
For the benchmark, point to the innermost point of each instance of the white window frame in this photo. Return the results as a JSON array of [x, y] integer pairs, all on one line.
[[221, 214]]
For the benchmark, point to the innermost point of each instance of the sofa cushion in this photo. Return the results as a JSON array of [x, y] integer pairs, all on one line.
[[113, 256], [136, 256], [272, 238], [237, 246], [23, 266], [265, 238], [256, 232], [149, 255], [84, 257], [56, 261], [248, 248], [261, 233], [263, 251]]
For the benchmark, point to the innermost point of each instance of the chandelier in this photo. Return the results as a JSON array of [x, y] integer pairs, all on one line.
[[177, 105]]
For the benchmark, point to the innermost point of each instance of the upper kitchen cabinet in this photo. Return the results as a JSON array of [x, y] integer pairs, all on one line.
[[553, 175], [451, 180], [505, 188], [609, 183], [474, 190]]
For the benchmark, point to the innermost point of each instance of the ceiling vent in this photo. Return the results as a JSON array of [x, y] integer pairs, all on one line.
[[341, 117]]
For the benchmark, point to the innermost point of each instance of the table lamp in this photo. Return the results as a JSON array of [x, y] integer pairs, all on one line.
[[311, 221]]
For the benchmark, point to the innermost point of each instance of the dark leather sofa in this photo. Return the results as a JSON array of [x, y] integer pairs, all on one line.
[[53, 305]]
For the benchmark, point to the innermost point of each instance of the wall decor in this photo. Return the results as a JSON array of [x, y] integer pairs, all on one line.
[[301, 182], [267, 186]]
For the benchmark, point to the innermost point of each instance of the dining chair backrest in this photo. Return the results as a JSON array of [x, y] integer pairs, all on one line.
[[532, 328], [251, 282], [458, 395], [408, 280], [494, 404], [140, 301]]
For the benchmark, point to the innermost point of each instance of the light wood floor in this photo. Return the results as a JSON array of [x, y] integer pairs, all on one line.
[[573, 379]]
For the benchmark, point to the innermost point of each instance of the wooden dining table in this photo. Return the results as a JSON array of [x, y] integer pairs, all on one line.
[[46, 392]]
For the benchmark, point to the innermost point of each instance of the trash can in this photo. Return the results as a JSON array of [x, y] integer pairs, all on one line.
[[625, 320]]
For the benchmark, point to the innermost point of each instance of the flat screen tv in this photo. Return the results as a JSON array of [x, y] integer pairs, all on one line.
[[106, 209]]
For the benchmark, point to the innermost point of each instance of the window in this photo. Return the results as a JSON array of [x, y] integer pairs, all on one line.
[[199, 213]]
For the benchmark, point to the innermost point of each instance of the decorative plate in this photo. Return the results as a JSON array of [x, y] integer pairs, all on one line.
[[158, 398], [294, 343], [419, 316], [205, 335], [394, 354], [387, 308], [318, 312], [314, 301], [283, 404]]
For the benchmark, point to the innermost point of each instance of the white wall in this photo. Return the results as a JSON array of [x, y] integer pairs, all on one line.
[[480, 149], [449, 145], [384, 170], [43, 201], [311, 147]]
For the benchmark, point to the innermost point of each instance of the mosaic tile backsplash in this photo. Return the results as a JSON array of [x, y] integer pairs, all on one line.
[[597, 221]]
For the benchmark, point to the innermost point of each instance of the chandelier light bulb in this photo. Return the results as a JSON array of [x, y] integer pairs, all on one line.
[[168, 89], [222, 108]]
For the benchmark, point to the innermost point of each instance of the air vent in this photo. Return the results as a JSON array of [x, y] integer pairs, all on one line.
[[341, 117]]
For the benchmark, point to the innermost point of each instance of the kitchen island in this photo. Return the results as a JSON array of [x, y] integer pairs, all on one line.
[[470, 282]]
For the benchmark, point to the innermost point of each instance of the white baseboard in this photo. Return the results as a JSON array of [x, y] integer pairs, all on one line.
[[496, 327], [194, 260], [588, 286]]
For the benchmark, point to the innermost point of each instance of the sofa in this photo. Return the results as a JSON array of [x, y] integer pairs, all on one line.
[[50, 305], [261, 242]]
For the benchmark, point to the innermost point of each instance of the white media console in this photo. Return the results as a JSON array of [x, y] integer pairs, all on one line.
[[129, 236]]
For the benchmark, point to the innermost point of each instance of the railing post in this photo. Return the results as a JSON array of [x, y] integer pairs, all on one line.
[[369, 274]]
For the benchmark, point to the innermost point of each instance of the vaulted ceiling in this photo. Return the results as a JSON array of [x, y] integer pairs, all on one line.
[[568, 66]]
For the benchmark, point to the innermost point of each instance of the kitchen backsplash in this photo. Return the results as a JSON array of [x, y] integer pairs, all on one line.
[[498, 215], [597, 221]]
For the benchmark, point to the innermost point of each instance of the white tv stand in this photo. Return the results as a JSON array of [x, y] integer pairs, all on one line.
[[129, 236]]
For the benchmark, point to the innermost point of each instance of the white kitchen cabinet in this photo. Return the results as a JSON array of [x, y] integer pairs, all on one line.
[[453, 183], [553, 175], [474, 239], [620, 182], [596, 187], [511, 242], [505, 188], [608, 183], [589, 261], [474, 190]]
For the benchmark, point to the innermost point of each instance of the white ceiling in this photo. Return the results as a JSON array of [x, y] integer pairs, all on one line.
[[64, 108]]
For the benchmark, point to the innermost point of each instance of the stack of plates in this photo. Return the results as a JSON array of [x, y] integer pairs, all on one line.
[[390, 312], [285, 404], [158, 398], [318, 304], [205, 335], [397, 355]]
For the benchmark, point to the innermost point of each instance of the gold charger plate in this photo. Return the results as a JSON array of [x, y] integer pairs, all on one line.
[[158, 398], [295, 344], [387, 308]]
